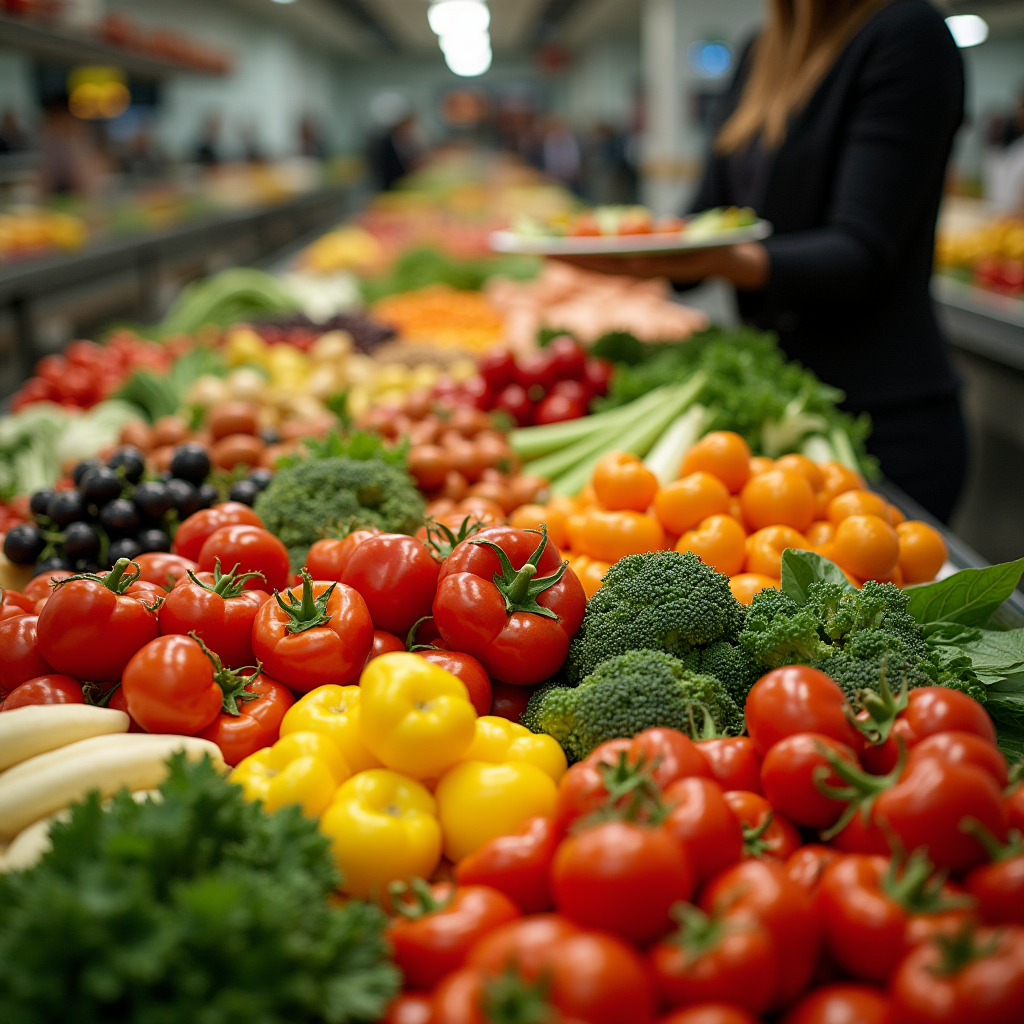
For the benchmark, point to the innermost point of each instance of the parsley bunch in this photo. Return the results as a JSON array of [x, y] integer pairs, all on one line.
[[195, 907]]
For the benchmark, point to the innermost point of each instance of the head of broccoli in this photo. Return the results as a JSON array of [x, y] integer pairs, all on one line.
[[659, 601], [626, 694], [318, 498]]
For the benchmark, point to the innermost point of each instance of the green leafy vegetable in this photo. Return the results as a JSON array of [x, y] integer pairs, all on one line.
[[802, 568], [199, 907], [969, 597]]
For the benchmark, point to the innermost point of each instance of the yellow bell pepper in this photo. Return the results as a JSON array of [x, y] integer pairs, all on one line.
[[416, 717], [243, 345], [383, 827], [478, 802], [334, 712], [498, 740], [303, 768]]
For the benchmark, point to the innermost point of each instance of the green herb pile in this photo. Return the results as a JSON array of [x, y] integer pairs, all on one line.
[[197, 908]]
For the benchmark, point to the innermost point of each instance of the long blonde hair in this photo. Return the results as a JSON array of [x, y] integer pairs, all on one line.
[[797, 47]]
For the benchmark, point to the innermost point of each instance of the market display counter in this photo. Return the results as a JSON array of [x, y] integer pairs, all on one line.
[[132, 277], [981, 322]]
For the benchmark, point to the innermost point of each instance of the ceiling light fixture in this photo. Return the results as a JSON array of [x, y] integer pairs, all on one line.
[[448, 17], [967, 29]]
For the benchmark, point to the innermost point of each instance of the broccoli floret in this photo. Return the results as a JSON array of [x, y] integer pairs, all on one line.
[[842, 611], [660, 601], [732, 666], [779, 632], [550, 709], [318, 497], [627, 694]]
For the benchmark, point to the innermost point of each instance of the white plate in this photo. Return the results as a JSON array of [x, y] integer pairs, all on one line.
[[624, 245]]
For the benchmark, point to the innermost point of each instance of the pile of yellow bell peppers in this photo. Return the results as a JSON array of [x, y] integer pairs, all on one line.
[[400, 771]]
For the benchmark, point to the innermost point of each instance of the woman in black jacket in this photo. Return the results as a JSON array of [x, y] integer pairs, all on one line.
[[837, 129]]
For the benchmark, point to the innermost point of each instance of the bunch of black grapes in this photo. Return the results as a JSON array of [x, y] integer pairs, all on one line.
[[113, 512]]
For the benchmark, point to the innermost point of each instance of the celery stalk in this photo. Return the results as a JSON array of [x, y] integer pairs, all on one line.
[[665, 458], [533, 442]]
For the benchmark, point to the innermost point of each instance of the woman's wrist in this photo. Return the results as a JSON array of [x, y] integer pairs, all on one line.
[[747, 265]]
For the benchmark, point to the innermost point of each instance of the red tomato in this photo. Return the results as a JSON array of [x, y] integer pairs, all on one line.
[[51, 689], [760, 888], [15, 599], [172, 686], [669, 754], [713, 959], [621, 877], [582, 789], [435, 929], [557, 408], [252, 550], [396, 577], [41, 586], [592, 976], [932, 709], [511, 603], [797, 699], [765, 831], [384, 643], [118, 703], [807, 865], [92, 625], [257, 724], [329, 644], [981, 980], [197, 528], [163, 568], [328, 558], [840, 1004], [409, 1008], [874, 912], [517, 403], [961, 748], [468, 669], [535, 369], [568, 358], [703, 822], [497, 366], [217, 608], [733, 761], [517, 864], [998, 886], [711, 1013], [1013, 806], [792, 771], [509, 701], [471, 997]]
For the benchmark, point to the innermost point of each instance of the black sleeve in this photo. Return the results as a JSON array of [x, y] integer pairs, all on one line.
[[904, 113]]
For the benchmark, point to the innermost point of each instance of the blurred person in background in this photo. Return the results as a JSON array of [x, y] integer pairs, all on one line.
[[560, 153], [252, 148], [837, 128], [206, 153], [1004, 164], [12, 138], [393, 153], [310, 141], [70, 158]]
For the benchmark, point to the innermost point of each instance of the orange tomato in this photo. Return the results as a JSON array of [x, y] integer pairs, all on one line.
[[802, 464], [821, 531], [736, 509], [745, 585], [922, 551], [489, 511], [683, 504], [780, 496], [764, 548], [867, 546], [567, 506], [895, 577], [722, 454], [590, 572], [858, 503], [609, 536], [896, 516], [622, 481], [587, 498], [761, 464], [719, 541], [532, 517]]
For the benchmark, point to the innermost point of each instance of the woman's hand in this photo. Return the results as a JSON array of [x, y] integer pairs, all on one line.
[[747, 265]]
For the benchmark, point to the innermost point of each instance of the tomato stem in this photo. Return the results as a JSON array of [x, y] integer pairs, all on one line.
[[996, 850], [308, 612], [882, 708], [442, 540], [232, 683], [960, 949], [118, 579], [861, 789], [518, 587], [698, 933], [917, 887], [226, 585], [754, 843], [415, 900], [510, 999]]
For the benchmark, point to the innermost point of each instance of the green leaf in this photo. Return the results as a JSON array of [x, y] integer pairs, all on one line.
[[802, 568], [968, 597], [1011, 742], [996, 654]]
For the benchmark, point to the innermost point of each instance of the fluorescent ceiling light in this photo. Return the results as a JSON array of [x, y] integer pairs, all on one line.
[[465, 44], [468, 64], [284, 1], [967, 29], [448, 17]]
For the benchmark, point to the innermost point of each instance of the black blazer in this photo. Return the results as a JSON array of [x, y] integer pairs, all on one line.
[[854, 193]]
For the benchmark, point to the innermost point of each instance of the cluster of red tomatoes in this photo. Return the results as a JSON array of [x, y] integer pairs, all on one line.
[[88, 373], [199, 648], [549, 385], [691, 880]]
